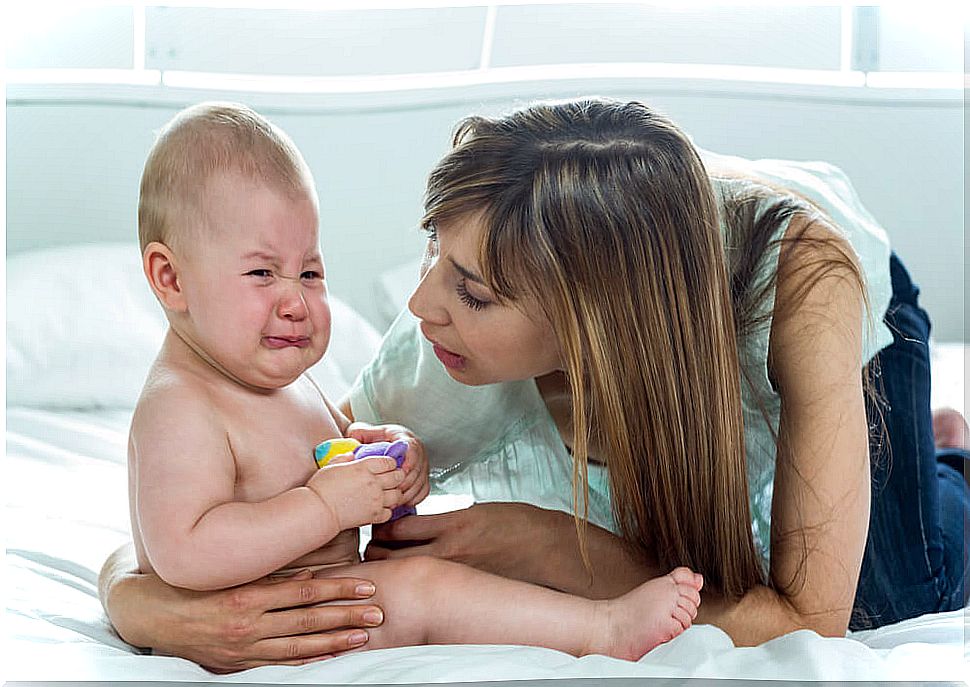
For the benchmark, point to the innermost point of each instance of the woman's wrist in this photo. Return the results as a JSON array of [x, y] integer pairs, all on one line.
[[551, 558]]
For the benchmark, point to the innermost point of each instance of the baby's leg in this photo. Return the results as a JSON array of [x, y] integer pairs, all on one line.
[[432, 601]]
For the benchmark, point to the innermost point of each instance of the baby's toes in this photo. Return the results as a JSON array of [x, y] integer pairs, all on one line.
[[682, 616], [689, 592], [682, 575], [687, 605]]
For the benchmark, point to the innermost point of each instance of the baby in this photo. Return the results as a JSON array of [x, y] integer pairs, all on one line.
[[222, 481]]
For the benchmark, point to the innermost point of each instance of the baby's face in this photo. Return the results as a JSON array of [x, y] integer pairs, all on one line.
[[254, 283]]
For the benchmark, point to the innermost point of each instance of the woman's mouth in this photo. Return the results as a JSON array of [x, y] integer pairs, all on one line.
[[286, 341], [448, 359]]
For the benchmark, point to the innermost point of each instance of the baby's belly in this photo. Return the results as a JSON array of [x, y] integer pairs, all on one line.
[[318, 560]]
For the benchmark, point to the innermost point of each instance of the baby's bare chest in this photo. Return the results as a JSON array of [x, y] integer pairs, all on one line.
[[272, 445]]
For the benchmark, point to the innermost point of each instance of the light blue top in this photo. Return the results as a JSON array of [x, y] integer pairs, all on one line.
[[499, 443]]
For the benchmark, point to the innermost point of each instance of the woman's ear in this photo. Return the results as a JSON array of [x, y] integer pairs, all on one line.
[[161, 270]]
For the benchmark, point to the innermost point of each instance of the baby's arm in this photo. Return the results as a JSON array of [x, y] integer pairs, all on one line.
[[193, 532]]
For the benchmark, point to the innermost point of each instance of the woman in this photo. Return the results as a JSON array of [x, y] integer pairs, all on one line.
[[716, 372]]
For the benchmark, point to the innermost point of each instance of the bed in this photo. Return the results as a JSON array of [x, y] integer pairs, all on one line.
[[81, 329]]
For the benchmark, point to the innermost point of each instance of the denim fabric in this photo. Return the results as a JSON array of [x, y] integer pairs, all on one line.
[[915, 560]]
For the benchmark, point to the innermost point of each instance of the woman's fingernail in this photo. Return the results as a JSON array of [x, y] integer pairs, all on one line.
[[357, 638], [365, 589], [374, 617]]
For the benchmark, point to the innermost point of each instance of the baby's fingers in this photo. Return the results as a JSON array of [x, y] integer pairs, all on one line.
[[410, 479], [342, 458], [380, 464], [392, 498], [391, 480]]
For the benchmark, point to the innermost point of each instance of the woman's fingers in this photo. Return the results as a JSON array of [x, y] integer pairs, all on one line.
[[310, 646], [415, 527], [368, 434], [297, 662], [416, 493], [289, 593], [320, 619]]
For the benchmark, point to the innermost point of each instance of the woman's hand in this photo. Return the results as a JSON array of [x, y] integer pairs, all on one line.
[[416, 484], [501, 538], [519, 541], [271, 621]]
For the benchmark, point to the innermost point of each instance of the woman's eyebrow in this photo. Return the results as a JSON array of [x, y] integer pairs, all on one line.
[[466, 273]]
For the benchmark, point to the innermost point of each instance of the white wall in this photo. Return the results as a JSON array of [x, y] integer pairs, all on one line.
[[74, 157], [370, 89]]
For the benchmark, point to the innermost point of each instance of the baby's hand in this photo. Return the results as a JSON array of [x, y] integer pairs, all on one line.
[[359, 492], [416, 485]]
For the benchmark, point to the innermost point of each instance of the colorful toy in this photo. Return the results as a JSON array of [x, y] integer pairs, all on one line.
[[328, 450]]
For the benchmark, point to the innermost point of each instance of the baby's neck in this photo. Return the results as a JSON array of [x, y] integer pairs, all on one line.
[[179, 349]]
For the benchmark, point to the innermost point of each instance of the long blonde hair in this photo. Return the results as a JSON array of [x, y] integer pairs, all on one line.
[[603, 211]]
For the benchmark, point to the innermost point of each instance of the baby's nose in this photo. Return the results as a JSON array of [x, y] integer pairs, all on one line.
[[292, 306]]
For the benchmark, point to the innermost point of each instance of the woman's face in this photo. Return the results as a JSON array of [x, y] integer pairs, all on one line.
[[477, 339]]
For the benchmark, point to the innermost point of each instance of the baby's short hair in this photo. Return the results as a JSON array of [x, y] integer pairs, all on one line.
[[204, 140]]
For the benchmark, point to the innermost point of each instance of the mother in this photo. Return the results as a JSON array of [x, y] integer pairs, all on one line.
[[739, 375]]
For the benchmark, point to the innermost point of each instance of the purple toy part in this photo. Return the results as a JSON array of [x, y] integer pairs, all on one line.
[[396, 450]]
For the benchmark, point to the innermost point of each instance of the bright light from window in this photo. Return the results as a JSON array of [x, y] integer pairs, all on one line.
[[27, 22]]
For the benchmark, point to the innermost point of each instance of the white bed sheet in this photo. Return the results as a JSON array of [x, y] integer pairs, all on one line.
[[66, 509]]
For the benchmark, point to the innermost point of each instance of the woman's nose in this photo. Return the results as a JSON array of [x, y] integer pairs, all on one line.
[[426, 302]]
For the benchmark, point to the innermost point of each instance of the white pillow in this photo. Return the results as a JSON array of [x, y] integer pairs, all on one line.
[[394, 288], [83, 327]]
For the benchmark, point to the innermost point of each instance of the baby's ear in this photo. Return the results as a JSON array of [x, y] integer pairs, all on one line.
[[160, 268]]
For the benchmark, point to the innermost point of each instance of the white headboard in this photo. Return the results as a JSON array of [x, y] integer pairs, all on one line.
[[75, 153]]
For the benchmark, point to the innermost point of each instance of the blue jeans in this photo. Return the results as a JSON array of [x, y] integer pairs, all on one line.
[[915, 560]]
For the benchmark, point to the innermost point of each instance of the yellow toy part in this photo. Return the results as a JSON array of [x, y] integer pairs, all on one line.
[[328, 450]]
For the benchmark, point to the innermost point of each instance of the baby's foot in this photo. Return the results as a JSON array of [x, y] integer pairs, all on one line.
[[653, 613]]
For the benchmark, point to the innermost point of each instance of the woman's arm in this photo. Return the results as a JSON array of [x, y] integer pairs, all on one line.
[[520, 541], [283, 621]]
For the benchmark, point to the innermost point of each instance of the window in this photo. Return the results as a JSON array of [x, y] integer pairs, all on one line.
[[290, 46]]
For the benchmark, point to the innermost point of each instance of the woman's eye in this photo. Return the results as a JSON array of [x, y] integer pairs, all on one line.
[[431, 250], [468, 299]]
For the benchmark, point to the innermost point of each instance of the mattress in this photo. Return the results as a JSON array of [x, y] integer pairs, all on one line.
[[76, 359], [66, 509]]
